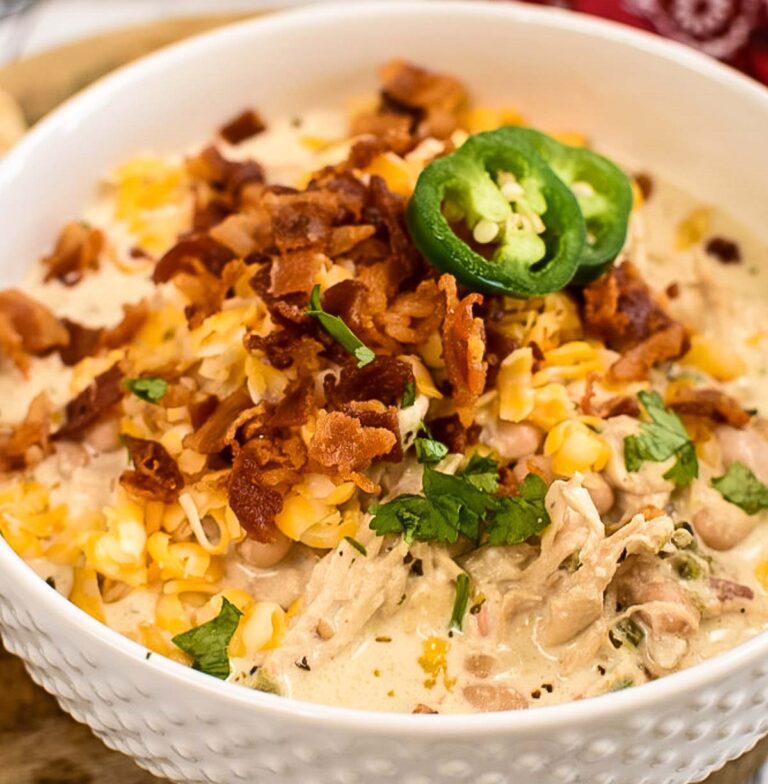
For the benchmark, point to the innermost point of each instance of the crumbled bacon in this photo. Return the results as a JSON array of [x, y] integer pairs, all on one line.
[[373, 414], [621, 310], [709, 403], [285, 346], [212, 436], [344, 238], [27, 327], [207, 292], [76, 251], [155, 474], [384, 131], [254, 503], [28, 442], [295, 272], [296, 406], [384, 379], [194, 254], [439, 96], [463, 349], [302, 220], [242, 234], [87, 341], [414, 315], [228, 177], [343, 444], [97, 399], [453, 434], [355, 303], [247, 124]]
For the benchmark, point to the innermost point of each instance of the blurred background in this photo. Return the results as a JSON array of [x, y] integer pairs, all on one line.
[[50, 49]]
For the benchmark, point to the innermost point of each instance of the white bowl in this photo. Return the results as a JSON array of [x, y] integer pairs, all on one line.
[[647, 100]]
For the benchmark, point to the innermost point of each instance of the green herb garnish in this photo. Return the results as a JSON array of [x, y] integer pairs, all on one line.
[[460, 602], [428, 450], [207, 644], [663, 437], [409, 395], [522, 516], [461, 504], [339, 331], [740, 486], [149, 389], [352, 542]]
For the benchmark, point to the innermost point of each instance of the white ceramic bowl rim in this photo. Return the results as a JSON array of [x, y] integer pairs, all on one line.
[[547, 718]]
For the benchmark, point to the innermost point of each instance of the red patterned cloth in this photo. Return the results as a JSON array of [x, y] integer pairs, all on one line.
[[735, 31]]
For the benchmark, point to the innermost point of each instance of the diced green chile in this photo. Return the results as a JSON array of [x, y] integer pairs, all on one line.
[[524, 263], [606, 210]]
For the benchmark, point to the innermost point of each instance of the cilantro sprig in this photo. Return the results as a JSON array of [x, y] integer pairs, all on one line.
[[663, 437], [409, 395], [460, 602], [741, 487], [339, 331], [207, 644], [465, 504], [147, 388]]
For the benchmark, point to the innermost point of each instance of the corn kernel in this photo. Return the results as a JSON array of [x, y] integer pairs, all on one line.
[[716, 358]]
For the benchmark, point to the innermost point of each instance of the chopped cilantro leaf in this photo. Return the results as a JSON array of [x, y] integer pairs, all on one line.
[[460, 603], [522, 516], [207, 644], [740, 486], [663, 437], [428, 450], [149, 389], [409, 395], [454, 505], [339, 331]]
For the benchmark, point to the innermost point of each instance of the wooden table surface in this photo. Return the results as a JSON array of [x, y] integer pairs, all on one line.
[[39, 743]]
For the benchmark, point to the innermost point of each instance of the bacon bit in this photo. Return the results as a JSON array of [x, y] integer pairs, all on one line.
[[83, 342], [76, 251], [453, 434], [620, 406], [373, 414], [287, 346], [211, 437], [727, 590], [645, 183], [155, 474], [27, 327], [87, 341], [354, 302], [389, 131], [296, 406], [710, 403], [134, 316], [242, 234], [344, 238], [422, 708], [295, 272], [635, 364], [192, 255], [350, 194], [386, 211], [99, 397], [438, 96], [621, 310], [343, 444], [673, 290], [383, 379], [227, 177], [247, 124], [414, 315], [253, 502], [207, 292], [28, 443], [463, 349], [302, 220]]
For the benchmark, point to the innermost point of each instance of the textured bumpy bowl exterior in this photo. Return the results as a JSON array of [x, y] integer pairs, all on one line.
[[654, 103]]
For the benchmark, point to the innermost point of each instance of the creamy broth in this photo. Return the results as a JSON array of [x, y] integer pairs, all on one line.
[[332, 612]]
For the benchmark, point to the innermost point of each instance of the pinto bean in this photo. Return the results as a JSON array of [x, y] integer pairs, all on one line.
[[489, 698], [722, 526], [600, 491], [265, 554]]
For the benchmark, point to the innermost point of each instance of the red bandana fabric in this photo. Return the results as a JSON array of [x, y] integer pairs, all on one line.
[[735, 31]]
